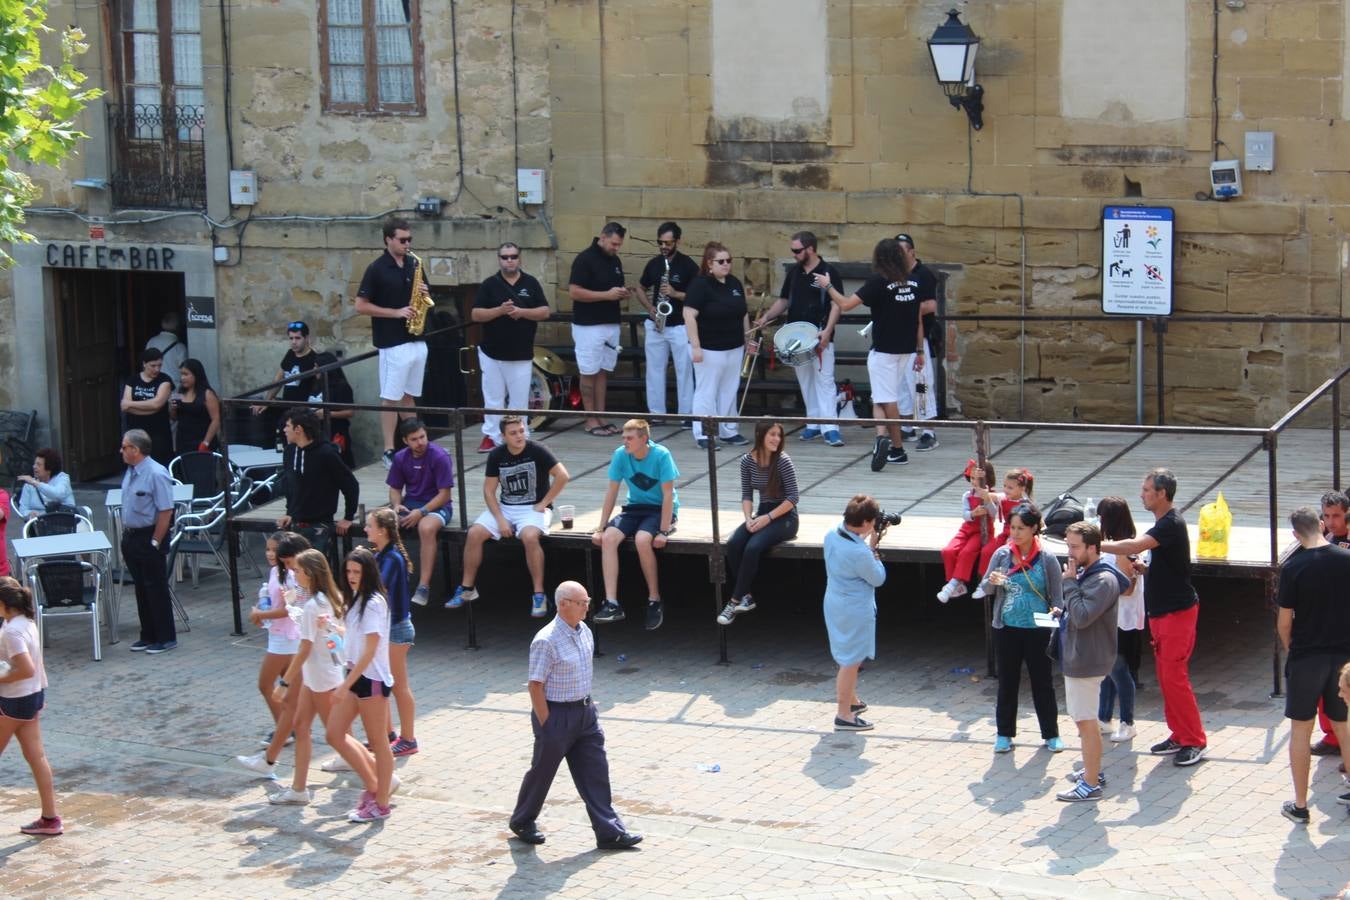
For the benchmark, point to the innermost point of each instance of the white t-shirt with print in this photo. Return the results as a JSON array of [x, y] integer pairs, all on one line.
[[322, 669], [375, 621]]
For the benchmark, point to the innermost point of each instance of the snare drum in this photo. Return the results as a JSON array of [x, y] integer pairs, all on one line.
[[795, 343]]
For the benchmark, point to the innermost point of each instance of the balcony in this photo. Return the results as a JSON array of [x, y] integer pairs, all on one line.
[[158, 156]]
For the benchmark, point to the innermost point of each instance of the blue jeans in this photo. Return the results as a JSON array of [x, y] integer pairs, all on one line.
[[1121, 682]]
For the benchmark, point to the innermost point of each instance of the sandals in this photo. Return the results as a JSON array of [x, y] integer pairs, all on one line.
[[606, 430]]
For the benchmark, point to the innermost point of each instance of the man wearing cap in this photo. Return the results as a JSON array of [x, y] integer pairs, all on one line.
[[923, 284], [299, 359]]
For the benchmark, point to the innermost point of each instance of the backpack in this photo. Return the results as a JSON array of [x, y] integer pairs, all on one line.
[[1060, 513]]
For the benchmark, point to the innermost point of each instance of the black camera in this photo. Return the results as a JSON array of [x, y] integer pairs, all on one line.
[[885, 520]]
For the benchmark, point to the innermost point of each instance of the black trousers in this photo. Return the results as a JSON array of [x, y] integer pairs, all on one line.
[[1013, 648], [147, 567], [573, 733], [744, 549]]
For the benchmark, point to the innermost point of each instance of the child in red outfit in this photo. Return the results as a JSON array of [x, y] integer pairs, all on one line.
[[1017, 484], [4, 521], [978, 507]]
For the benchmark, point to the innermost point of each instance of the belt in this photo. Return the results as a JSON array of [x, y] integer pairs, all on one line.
[[137, 530], [584, 701]]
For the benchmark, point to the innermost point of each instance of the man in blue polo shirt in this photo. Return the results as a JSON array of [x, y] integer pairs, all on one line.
[[648, 518], [147, 513]]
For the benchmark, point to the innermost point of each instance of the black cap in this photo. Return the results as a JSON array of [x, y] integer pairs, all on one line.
[[905, 239]]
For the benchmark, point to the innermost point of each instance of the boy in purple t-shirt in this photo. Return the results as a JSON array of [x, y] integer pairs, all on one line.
[[420, 481]]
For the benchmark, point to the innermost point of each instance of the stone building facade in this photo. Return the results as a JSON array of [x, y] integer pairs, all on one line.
[[744, 120]]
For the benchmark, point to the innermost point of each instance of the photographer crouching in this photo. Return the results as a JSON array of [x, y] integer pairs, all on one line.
[[853, 572]]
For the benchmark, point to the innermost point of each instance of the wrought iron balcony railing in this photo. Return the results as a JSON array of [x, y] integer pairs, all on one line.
[[158, 156]]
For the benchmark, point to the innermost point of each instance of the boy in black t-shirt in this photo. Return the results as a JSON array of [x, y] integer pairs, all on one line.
[[300, 358], [529, 478], [1314, 626], [1172, 607]]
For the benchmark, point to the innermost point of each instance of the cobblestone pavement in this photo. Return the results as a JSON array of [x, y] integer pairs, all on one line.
[[155, 806]]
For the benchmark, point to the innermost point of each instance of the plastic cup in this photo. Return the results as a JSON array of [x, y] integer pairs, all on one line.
[[567, 514]]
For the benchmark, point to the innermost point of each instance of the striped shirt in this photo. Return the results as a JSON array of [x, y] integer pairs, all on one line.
[[755, 477], [560, 660]]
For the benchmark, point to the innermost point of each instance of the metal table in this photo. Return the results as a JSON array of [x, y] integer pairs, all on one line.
[[34, 549]]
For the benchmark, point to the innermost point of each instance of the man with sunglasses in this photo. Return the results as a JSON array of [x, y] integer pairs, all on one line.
[[385, 295], [666, 277], [805, 302], [509, 306], [300, 358], [596, 289]]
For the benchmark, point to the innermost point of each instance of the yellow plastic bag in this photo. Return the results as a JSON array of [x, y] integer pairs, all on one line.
[[1215, 524]]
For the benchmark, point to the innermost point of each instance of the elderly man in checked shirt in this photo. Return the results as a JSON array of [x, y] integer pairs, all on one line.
[[565, 725]]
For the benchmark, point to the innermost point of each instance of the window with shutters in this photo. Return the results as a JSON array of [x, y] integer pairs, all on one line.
[[371, 51]]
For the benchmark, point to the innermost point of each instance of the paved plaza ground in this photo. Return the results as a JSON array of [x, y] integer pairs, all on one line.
[[154, 806]]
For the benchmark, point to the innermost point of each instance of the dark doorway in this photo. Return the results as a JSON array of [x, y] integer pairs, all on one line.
[[103, 322]]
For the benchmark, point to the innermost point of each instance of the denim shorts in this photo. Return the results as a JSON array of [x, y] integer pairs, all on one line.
[[25, 708], [402, 632], [364, 688], [639, 517]]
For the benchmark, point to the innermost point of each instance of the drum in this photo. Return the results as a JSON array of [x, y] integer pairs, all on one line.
[[548, 385], [795, 343]]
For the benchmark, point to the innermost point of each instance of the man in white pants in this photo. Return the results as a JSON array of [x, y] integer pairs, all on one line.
[[924, 285], [509, 306], [804, 301], [385, 295], [666, 277]]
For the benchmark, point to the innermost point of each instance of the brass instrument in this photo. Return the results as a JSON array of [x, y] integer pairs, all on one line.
[[420, 302], [663, 305]]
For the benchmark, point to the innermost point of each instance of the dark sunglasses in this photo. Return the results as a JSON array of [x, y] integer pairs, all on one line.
[[406, 240], [796, 250], [508, 256], [722, 262]]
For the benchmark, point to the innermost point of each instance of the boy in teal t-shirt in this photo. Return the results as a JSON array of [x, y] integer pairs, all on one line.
[[648, 517]]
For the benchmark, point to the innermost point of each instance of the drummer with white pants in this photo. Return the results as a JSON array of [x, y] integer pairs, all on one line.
[[923, 283], [509, 306], [666, 278], [806, 302]]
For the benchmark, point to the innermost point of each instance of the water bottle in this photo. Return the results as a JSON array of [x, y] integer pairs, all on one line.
[[1090, 512], [264, 597], [333, 643]]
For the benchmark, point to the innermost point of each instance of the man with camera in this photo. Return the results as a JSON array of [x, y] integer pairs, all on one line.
[[853, 572]]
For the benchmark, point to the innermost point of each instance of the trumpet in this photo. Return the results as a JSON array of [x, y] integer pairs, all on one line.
[[752, 350]]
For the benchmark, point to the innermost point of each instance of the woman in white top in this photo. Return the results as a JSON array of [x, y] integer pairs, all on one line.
[[319, 657], [48, 486], [23, 681], [367, 687], [277, 600], [1118, 525]]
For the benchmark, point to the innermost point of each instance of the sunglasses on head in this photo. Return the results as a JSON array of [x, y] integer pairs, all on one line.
[[298, 326]]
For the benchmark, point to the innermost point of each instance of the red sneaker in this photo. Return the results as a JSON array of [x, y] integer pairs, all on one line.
[[43, 825], [487, 446]]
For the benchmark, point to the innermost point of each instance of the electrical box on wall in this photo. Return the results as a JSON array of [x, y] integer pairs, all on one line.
[[1260, 151], [1225, 178], [530, 186], [243, 187]]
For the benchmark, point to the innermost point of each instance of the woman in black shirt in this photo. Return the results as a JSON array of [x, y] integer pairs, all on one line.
[[196, 408], [716, 319], [145, 404]]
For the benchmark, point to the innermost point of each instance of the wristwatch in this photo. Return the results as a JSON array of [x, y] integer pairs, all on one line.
[[283, 682], [664, 533], [154, 543]]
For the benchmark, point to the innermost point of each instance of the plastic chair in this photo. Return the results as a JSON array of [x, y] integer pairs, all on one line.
[[66, 589]]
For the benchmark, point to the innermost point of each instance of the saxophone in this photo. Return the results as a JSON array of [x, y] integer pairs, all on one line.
[[420, 302], [663, 305]]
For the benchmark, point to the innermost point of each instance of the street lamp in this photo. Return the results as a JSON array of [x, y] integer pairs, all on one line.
[[953, 47]]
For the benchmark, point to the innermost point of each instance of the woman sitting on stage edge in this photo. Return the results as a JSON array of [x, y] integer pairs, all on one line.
[[1024, 580], [769, 469], [853, 572]]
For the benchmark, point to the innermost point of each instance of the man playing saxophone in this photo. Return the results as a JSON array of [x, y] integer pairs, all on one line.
[[665, 279], [386, 295], [509, 305]]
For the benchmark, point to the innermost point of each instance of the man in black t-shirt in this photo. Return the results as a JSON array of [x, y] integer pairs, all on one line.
[[597, 291], [385, 295], [666, 278], [804, 300], [299, 359], [529, 478], [1314, 626], [509, 306], [896, 350], [1334, 507], [920, 399], [1172, 607]]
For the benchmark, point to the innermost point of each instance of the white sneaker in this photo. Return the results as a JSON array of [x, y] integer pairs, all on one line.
[[1106, 727], [336, 764], [258, 763], [978, 593], [394, 783], [1123, 732], [950, 590], [291, 797]]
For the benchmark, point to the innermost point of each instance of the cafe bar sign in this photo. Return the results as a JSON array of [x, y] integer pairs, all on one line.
[[143, 258]]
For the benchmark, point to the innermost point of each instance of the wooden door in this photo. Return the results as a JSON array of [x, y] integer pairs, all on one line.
[[87, 321]]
